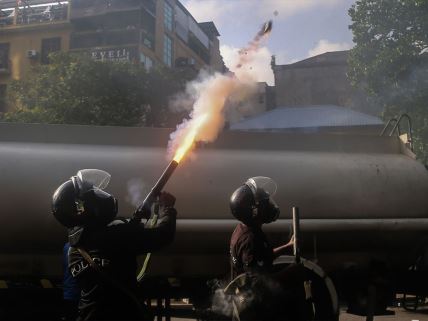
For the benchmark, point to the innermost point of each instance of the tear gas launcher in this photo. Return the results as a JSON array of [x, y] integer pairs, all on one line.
[[144, 210]]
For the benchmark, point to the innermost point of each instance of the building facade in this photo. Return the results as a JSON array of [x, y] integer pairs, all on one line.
[[260, 100], [27, 36], [151, 32], [319, 80]]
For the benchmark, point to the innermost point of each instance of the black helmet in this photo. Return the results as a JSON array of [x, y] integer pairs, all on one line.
[[254, 199], [82, 201]]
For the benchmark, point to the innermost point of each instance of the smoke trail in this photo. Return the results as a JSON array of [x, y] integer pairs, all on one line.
[[246, 54], [136, 191], [210, 94]]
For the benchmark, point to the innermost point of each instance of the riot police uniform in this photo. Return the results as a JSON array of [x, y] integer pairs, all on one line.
[[103, 250], [251, 254], [253, 205], [250, 250]]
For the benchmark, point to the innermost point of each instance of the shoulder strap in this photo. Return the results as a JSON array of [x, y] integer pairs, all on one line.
[[89, 259]]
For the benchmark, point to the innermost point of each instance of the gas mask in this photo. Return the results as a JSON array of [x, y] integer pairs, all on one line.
[[263, 189]]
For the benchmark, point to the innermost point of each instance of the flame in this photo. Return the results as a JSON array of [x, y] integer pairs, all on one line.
[[210, 94], [189, 139]]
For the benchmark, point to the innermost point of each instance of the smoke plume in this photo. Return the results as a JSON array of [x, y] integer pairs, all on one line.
[[209, 95], [136, 191], [256, 291]]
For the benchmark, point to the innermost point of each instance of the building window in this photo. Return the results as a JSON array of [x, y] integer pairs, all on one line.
[[49, 45], [146, 61], [198, 48], [148, 25], [2, 98], [4, 56], [168, 14], [167, 51]]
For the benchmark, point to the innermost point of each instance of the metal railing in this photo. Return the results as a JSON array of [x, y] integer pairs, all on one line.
[[7, 18], [395, 123], [34, 15]]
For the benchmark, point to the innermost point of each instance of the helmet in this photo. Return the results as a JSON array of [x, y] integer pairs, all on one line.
[[254, 199], [82, 201]]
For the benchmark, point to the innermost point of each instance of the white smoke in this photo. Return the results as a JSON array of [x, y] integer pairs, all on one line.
[[259, 69], [137, 190], [210, 93], [254, 290], [222, 303]]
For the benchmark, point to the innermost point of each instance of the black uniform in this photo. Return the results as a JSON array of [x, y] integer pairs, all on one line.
[[250, 250], [114, 249]]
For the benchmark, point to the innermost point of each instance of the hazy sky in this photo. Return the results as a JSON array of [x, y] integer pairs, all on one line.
[[302, 28]]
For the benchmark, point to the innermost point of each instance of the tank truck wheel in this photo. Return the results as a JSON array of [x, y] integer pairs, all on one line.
[[323, 302]]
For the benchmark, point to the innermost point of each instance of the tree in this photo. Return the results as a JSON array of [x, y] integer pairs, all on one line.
[[74, 89], [164, 85], [390, 59]]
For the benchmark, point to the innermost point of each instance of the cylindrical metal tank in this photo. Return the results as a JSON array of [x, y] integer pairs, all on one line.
[[351, 190]]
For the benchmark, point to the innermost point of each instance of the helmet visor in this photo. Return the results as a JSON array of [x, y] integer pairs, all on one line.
[[88, 178], [261, 185]]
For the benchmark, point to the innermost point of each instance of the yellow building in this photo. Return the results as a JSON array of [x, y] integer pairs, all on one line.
[[27, 36], [152, 32]]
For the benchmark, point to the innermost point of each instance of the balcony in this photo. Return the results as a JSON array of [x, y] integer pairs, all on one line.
[[91, 8], [29, 15], [199, 48]]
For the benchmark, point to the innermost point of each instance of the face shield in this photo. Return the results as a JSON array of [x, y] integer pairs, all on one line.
[[263, 189], [87, 179], [91, 199]]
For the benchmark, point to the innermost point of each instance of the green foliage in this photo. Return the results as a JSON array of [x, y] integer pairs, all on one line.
[[390, 59], [74, 89]]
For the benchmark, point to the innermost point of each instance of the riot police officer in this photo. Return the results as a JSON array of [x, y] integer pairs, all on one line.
[[103, 249], [253, 205], [257, 291]]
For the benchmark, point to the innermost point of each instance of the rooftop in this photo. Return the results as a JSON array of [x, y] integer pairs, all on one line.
[[209, 28], [314, 116], [327, 58]]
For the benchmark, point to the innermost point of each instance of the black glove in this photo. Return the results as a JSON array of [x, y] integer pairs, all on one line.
[[166, 200]]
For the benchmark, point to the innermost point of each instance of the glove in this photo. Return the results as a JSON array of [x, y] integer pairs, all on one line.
[[166, 200], [142, 213]]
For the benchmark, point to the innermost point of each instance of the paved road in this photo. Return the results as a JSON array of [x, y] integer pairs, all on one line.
[[400, 315]]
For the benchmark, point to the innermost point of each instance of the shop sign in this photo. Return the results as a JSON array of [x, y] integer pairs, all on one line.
[[114, 54]]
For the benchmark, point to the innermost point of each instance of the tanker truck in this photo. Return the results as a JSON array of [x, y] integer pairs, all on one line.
[[360, 196]]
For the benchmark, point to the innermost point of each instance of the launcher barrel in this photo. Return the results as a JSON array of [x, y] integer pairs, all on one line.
[[144, 210]]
